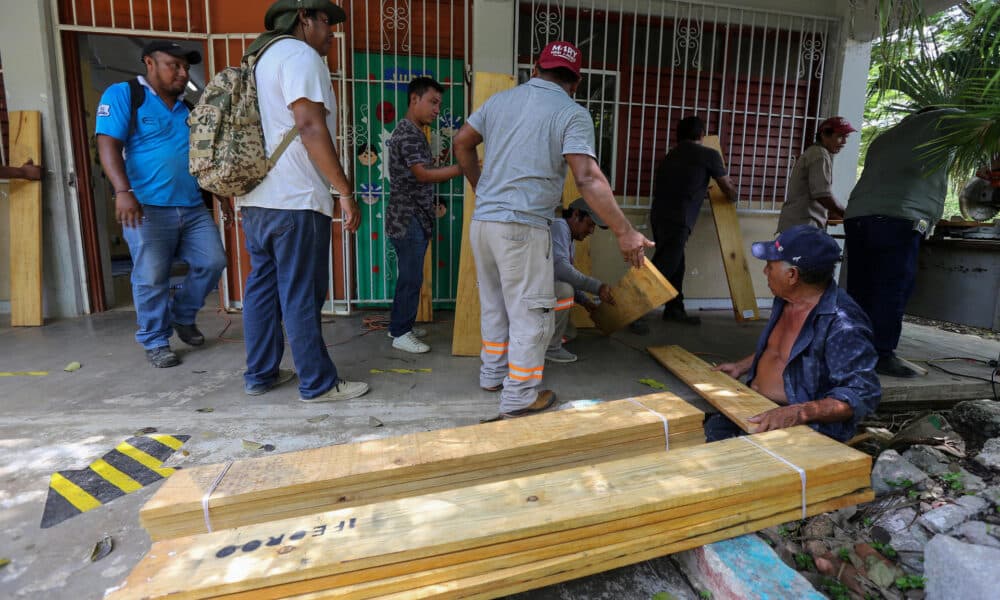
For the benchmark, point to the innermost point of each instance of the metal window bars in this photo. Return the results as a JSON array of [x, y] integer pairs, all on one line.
[[755, 76]]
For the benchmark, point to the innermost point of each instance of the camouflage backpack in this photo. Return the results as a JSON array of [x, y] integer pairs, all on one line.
[[227, 154]]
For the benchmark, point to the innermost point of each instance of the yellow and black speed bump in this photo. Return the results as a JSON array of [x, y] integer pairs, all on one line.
[[134, 463]]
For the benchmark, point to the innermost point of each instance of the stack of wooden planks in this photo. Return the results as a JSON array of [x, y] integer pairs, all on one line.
[[309, 481], [491, 539]]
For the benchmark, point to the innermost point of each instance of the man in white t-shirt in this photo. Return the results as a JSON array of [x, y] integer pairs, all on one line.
[[287, 217]]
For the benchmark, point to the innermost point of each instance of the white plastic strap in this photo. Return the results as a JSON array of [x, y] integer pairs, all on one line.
[[801, 471], [666, 424], [208, 494]]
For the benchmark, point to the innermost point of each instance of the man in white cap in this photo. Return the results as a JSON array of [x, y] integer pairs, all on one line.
[[518, 189]]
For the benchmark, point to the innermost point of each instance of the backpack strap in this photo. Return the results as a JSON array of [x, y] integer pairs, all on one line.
[[137, 96], [285, 141], [290, 135]]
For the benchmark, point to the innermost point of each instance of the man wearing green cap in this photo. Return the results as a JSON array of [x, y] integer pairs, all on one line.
[[287, 217]]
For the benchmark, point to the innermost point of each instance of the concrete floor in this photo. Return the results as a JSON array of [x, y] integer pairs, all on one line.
[[66, 420]]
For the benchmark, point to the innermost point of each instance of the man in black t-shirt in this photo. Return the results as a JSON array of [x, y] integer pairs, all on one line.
[[409, 219], [680, 183]]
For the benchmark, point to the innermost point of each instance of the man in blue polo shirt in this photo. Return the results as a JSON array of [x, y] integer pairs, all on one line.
[[158, 202]]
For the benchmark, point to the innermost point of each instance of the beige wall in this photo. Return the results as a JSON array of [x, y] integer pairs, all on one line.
[[705, 278]]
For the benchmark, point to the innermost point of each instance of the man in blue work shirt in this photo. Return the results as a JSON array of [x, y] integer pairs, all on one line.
[[815, 357], [158, 202]]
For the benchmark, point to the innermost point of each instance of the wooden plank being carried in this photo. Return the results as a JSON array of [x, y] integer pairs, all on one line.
[[25, 222], [467, 336], [309, 481], [631, 506], [734, 258], [733, 398], [639, 291]]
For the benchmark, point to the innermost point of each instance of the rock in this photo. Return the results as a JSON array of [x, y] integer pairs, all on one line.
[[977, 420], [957, 570], [947, 517], [980, 533], [990, 456], [906, 536], [992, 494], [891, 471], [972, 483], [927, 459]]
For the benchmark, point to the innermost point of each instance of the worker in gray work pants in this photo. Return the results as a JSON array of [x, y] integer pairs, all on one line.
[[518, 188]]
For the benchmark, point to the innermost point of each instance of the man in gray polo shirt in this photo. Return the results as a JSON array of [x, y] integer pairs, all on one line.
[[531, 133]]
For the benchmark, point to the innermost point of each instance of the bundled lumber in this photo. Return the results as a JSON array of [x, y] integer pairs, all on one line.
[[639, 291], [733, 399], [310, 481], [496, 538]]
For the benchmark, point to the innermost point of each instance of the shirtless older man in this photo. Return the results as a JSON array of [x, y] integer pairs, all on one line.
[[815, 357]]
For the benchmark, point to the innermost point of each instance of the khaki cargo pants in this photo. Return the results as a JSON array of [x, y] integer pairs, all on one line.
[[516, 298]]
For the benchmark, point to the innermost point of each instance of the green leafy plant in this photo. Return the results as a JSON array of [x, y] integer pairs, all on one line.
[[844, 554], [885, 550], [953, 481], [913, 494], [835, 589], [804, 562], [705, 595], [867, 521], [663, 596], [900, 483], [910, 582]]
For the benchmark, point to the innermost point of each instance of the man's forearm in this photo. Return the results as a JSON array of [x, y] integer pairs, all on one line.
[[826, 410], [830, 203], [110, 151], [468, 161]]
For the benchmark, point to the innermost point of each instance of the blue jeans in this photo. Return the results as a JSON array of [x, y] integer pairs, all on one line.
[[881, 270], [718, 427], [410, 251], [289, 255], [168, 232]]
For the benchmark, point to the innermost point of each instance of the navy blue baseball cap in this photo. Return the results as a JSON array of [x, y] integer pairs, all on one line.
[[801, 246]]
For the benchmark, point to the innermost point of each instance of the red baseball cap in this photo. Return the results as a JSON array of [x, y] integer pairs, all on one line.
[[839, 125], [561, 54]]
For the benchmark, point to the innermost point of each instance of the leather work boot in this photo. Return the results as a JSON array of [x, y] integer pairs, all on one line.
[[189, 334], [543, 401]]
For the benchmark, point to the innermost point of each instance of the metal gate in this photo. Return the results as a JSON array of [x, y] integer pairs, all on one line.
[[382, 43], [755, 76]]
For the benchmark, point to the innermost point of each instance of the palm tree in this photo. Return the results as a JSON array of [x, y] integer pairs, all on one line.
[[947, 61]]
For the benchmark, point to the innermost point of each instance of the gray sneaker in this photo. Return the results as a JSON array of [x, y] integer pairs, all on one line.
[[342, 390], [162, 357], [561, 355], [284, 376]]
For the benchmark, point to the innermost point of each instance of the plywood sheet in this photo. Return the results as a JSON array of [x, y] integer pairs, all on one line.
[[733, 398], [734, 258], [639, 291], [467, 336], [25, 222]]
